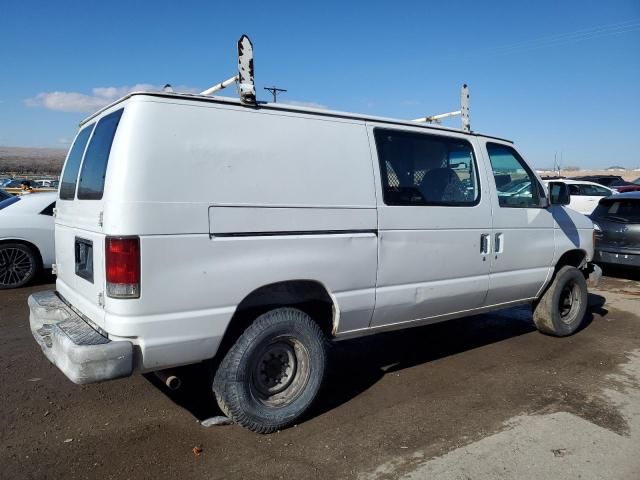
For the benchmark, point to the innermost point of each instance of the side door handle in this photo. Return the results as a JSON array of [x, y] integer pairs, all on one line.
[[485, 244], [498, 245]]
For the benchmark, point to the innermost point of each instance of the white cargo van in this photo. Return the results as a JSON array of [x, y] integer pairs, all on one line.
[[192, 228]]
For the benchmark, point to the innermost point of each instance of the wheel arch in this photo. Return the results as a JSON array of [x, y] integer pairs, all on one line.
[[26, 243], [310, 296], [575, 258]]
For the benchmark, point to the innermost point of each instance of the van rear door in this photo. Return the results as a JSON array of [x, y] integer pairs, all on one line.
[[80, 242]]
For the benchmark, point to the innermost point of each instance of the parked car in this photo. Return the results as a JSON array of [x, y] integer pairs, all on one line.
[[585, 195], [615, 182], [12, 183], [4, 195], [26, 237], [315, 226], [617, 230], [44, 183]]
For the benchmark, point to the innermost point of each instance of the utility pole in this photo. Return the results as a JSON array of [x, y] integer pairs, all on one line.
[[274, 91]]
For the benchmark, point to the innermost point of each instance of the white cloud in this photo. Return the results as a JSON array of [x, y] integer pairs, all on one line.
[[99, 97], [298, 103]]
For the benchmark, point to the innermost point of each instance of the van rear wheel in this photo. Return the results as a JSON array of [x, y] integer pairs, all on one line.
[[561, 309], [273, 373]]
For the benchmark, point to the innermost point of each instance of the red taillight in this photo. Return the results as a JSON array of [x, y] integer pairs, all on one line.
[[122, 260]]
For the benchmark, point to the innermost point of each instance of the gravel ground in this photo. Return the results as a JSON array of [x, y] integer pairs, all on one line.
[[482, 397]]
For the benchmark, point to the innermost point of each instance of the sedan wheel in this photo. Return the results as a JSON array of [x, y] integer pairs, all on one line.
[[18, 265]]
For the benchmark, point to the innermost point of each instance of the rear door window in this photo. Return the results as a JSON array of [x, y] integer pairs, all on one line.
[[94, 167], [623, 210], [70, 175], [595, 191]]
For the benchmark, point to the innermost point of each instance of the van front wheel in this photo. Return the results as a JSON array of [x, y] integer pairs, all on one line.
[[561, 309], [273, 373]]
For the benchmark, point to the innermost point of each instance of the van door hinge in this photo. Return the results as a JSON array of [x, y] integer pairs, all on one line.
[[54, 269], [55, 212], [100, 218], [101, 299]]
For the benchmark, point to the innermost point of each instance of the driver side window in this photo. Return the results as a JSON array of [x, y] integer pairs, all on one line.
[[516, 184]]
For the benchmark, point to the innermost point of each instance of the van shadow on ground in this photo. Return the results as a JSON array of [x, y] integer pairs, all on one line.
[[358, 364]]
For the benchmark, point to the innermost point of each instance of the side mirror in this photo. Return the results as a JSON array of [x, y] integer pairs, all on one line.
[[559, 193]]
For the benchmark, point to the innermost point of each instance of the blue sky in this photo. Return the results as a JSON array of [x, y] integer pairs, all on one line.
[[553, 76]]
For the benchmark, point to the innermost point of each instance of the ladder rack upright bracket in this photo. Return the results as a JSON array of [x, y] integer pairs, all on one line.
[[244, 77], [463, 112], [246, 85], [464, 108]]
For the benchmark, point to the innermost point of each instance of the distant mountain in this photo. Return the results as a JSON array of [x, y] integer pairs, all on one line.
[[20, 160]]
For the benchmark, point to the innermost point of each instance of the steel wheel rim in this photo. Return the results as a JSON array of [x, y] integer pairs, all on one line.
[[15, 266], [569, 302], [280, 372]]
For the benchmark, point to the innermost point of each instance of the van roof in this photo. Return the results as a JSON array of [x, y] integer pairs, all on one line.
[[287, 108]]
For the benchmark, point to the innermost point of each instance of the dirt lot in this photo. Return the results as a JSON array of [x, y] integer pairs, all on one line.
[[483, 397]]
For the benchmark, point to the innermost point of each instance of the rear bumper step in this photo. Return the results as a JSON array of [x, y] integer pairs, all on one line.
[[71, 344]]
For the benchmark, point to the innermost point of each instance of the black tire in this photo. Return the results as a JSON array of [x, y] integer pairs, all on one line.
[[561, 309], [19, 264], [273, 373]]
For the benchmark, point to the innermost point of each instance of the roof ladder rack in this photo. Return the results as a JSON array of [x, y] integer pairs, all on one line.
[[244, 77], [463, 112]]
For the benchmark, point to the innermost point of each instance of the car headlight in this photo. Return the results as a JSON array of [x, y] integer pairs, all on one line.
[[596, 227]]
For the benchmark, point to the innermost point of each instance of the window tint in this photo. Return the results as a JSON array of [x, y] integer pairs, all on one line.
[[423, 169], [70, 175], [594, 190], [94, 167], [8, 201], [516, 184], [623, 211], [574, 189], [48, 210]]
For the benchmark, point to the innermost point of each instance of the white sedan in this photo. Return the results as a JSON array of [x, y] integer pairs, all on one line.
[[585, 195], [26, 237]]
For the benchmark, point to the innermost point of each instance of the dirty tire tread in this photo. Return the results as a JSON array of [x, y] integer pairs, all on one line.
[[229, 392], [545, 314]]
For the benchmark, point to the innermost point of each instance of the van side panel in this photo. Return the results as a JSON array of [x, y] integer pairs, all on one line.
[[191, 286], [229, 199]]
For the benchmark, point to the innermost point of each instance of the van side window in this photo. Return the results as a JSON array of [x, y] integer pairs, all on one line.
[[94, 167], [426, 169], [516, 184], [70, 175]]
